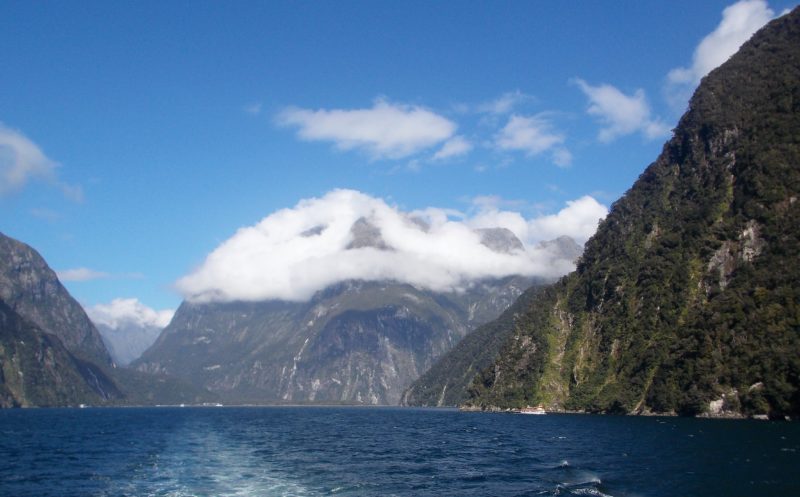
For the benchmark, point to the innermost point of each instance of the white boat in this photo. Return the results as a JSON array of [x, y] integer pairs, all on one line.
[[533, 410]]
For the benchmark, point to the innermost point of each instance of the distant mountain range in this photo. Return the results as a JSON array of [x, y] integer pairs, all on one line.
[[687, 299]]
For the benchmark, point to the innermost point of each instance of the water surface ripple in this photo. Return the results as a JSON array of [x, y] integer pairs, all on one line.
[[315, 451]]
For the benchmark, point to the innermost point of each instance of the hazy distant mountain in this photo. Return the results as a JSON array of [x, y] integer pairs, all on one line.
[[127, 342], [687, 299]]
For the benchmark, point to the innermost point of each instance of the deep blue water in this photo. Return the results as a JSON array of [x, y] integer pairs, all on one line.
[[387, 451]]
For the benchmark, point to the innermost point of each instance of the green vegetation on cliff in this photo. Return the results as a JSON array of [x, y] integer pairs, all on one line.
[[687, 299], [446, 382]]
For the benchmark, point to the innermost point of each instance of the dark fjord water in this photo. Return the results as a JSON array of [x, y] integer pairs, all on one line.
[[387, 451]]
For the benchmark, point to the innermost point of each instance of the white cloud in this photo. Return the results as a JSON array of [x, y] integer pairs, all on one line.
[[120, 313], [22, 161], [621, 114], [454, 147], [532, 135], [293, 253], [384, 131], [739, 22], [81, 274]]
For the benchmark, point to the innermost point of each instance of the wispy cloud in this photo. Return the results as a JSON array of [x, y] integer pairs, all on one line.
[[456, 146], [22, 161], [621, 114], [86, 274], [293, 253], [386, 130], [45, 214], [81, 274], [505, 103], [739, 22], [532, 135], [253, 108]]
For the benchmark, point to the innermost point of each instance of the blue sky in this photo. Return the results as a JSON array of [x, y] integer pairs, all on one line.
[[136, 137]]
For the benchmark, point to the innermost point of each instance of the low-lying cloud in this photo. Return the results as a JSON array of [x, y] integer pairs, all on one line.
[[347, 235], [122, 313]]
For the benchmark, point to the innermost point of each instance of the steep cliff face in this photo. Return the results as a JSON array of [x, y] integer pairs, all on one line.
[[687, 299], [355, 342], [36, 369], [30, 288]]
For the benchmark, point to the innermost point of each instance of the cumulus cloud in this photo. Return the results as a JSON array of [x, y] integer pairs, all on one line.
[[739, 22], [21, 161], [346, 235], [619, 113], [81, 274], [532, 135], [121, 313], [454, 147], [386, 130]]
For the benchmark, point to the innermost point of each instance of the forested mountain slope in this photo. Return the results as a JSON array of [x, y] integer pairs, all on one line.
[[687, 299]]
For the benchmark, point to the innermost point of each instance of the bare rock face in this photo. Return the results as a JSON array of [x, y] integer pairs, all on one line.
[[32, 290], [500, 240], [366, 234]]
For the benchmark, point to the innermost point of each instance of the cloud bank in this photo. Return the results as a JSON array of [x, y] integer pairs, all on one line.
[[386, 130], [121, 313], [345, 235], [739, 22], [22, 161]]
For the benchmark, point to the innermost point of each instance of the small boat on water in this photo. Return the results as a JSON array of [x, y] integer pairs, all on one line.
[[533, 410]]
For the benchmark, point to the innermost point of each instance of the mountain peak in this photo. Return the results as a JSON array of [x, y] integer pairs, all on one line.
[[501, 240], [366, 234]]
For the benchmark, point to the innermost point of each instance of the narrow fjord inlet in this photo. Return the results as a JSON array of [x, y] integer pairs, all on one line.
[[474, 295]]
